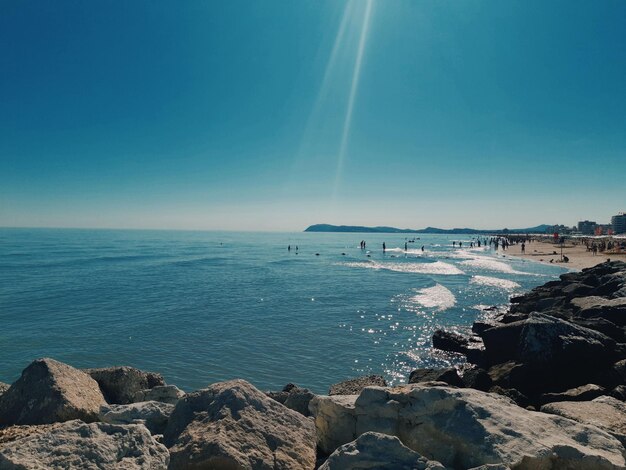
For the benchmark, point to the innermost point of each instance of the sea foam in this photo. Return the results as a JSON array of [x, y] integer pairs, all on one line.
[[494, 282], [438, 267], [491, 265], [437, 297]]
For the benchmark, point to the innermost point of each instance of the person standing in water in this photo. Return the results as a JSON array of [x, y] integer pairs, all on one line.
[[422, 247], [289, 248], [384, 247], [405, 247]]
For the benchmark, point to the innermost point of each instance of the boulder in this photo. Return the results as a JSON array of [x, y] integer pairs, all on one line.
[[335, 420], [49, 391], [293, 397], [120, 384], [449, 341], [153, 414], [449, 376], [559, 354], [477, 378], [613, 310], [582, 393], [75, 444], [605, 412], [4, 387], [233, 425], [377, 452], [354, 386], [163, 393], [465, 428]]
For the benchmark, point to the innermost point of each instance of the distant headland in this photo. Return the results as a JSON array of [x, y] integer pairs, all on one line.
[[361, 229]]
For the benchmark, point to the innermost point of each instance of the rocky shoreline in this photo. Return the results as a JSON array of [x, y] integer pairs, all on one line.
[[544, 388]]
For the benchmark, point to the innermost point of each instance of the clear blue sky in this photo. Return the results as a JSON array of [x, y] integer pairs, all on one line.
[[273, 115]]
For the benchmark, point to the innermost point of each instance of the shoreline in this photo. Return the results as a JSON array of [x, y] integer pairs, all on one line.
[[544, 250]]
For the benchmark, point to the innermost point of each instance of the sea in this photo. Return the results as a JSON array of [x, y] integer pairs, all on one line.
[[201, 307]]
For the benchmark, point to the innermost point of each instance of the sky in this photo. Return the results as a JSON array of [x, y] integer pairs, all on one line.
[[275, 114]]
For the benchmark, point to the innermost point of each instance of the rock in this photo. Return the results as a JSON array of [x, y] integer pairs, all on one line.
[[512, 394], [293, 397], [163, 393], [604, 326], [619, 392], [153, 414], [49, 391], [448, 341], [613, 310], [377, 452], [465, 428], [120, 384], [334, 420], [354, 386], [4, 387], [234, 425], [75, 444], [607, 413], [477, 378], [559, 354], [449, 376], [582, 393]]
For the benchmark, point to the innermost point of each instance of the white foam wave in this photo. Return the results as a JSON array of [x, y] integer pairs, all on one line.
[[438, 298], [490, 265], [438, 267], [494, 282]]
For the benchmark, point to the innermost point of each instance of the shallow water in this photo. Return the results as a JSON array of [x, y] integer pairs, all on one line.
[[206, 306]]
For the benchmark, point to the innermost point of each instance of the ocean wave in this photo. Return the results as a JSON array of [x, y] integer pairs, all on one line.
[[438, 267], [494, 282], [491, 265], [437, 297]]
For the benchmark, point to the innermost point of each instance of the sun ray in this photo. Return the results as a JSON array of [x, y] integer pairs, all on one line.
[[351, 99]]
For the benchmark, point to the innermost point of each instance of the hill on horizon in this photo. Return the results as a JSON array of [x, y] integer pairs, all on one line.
[[383, 229]]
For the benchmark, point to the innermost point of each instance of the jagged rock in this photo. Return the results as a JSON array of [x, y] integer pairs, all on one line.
[[477, 378], [449, 341], [613, 310], [449, 376], [465, 428], [153, 414], [49, 391], [605, 412], [120, 384], [582, 393], [513, 394], [75, 444], [293, 397], [354, 386], [234, 425], [335, 420], [377, 452], [163, 393], [4, 387]]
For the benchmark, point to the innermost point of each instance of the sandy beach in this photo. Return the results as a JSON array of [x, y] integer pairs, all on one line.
[[544, 250]]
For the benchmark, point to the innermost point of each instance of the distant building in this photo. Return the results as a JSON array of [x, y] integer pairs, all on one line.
[[587, 227], [561, 229], [619, 223]]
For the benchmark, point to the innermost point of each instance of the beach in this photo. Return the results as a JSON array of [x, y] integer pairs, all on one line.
[[545, 251]]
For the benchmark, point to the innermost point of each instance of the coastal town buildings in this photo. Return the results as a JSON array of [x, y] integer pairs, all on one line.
[[619, 223], [587, 227]]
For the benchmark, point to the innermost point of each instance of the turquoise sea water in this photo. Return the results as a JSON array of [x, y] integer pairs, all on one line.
[[206, 306]]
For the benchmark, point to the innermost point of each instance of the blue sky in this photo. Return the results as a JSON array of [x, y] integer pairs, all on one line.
[[231, 115]]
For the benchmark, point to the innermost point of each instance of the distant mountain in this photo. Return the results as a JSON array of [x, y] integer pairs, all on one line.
[[361, 229]]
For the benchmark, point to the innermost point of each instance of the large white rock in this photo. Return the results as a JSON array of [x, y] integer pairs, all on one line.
[[74, 444], [334, 420], [605, 412], [465, 428], [153, 414], [49, 391], [163, 393], [232, 425], [377, 451]]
